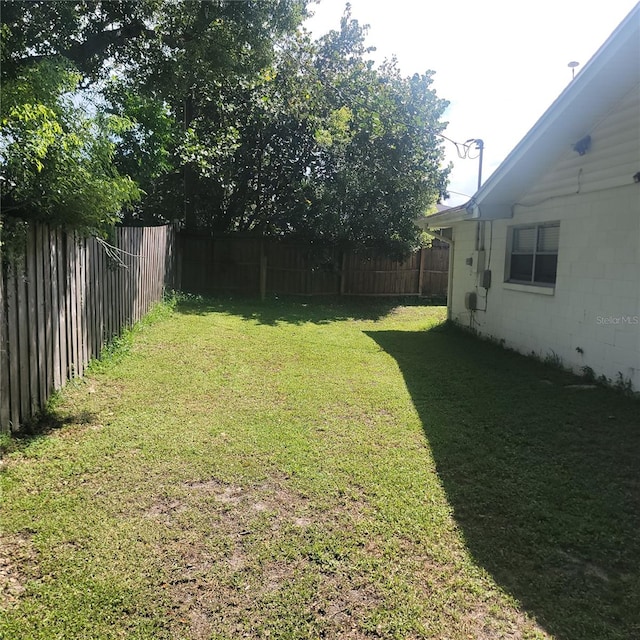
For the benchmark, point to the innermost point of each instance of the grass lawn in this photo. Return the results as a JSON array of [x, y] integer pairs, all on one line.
[[297, 469]]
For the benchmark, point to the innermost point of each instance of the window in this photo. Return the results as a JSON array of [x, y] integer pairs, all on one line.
[[533, 254]]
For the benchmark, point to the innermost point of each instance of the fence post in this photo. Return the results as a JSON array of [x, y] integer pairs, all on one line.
[[308, 280], [179, 240], [263, 271], [343, 274], [421, 271]]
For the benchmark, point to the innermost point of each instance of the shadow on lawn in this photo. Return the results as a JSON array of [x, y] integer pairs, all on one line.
[[42, 425], [296, 310], [544, 480]]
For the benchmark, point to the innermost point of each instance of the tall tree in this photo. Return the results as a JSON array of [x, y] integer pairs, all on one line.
[[92, 35], [57, 150], [170, 58], [227, 115], [319, 143], [379, 163], [56, 160], [204, 58]]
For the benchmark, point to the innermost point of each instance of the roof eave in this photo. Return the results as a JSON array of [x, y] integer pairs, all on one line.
[[608, 74], [447, 218]]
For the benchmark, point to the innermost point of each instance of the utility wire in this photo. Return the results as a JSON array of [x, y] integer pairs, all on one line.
[[462, 148]]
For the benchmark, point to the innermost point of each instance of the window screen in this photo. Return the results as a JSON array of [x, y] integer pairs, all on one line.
[[533, 257]]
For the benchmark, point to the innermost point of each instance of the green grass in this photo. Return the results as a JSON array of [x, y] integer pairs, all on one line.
[[318, 469]]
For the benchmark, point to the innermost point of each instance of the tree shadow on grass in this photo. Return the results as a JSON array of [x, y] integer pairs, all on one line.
[[544, 480], [295, 309]]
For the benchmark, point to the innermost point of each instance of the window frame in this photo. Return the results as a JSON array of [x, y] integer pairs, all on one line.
[[536, 252]]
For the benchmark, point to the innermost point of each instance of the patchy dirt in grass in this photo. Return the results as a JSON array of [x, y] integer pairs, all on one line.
[[577, 568], [486, 622], [243, 579], [18, 565], [258, 560], [460, 612]]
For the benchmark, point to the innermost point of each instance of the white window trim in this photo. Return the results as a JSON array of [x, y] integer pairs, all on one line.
[[519, 285], [530, 288]]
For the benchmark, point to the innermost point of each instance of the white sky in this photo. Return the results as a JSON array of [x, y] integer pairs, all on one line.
[[500, 63]]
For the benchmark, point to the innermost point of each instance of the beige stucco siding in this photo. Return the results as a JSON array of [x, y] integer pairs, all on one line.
[[591, 318]]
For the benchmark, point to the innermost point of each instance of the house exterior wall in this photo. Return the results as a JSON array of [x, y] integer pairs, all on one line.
[[591, 317], [610, 162]]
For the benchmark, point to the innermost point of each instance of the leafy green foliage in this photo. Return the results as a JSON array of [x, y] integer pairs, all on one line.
[[316, 143], [146, 150], [93, 35], [57, 161], [378, 166], [225, 114]]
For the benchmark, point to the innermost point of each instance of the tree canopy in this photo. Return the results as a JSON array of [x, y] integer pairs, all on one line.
[[57, 161], [225, 115]]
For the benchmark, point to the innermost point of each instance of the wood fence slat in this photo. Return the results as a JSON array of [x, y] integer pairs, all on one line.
[[95, 297], [127, 243], [147, 271], [12, 352], [82, 311], [157, 245], [79, 324], [117, 287], [110, 301], [73, 315], [120, 285], [140, 273], [151, 267], [90, 297], [123, 274], [161, 251], [22, 325], [117, 311], [55, 309], [5, 396], [40, 317], [106, 298], [62, 306], [100, 287], [32, 320], [133, 273], [47, 310], [154, 246], [144, 271]]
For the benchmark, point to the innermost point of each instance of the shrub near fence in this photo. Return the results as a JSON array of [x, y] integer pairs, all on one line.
[[64, 300], [255, 266]]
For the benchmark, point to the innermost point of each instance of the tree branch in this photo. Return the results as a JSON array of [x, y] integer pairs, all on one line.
[[84, 53]]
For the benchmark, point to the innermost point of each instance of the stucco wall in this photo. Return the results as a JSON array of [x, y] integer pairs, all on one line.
[[592, 317]]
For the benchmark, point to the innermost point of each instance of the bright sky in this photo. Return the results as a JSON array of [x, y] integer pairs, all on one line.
[[500, 63]]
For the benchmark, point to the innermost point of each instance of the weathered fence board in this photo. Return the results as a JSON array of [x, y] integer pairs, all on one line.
[[5, 399], [64, 299], [252, 265]]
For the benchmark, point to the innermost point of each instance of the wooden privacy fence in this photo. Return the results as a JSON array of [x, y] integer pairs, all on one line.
[[259, 266], [64, 300], [68, 296]]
